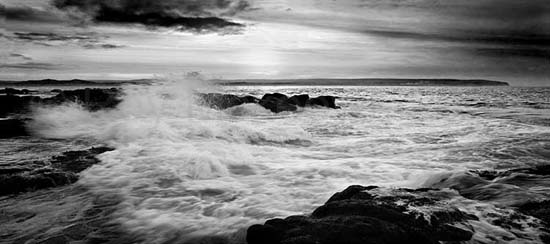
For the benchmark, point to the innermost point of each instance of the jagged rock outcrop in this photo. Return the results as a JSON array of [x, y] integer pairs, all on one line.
[[277, 102], [365, 215], [91, 98], [223, 101]]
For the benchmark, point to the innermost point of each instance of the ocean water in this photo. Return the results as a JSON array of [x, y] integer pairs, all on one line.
[[183, 172]]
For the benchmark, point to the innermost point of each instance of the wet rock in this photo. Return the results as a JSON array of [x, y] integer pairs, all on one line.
[[370, 215], [299, 100], [324, 101], [277, 102], [539, 210], [12, 128], [274, 96], [11, 104], [277, 106], [542, 170], [91, 98], [12, 91], [223, 101], [60, 170]]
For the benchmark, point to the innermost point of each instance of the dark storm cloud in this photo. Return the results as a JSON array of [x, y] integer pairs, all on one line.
[[25, 13], [192, 15], [490, 27]]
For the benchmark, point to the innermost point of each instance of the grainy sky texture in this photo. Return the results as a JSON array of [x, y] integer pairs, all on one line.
[[506, 40]]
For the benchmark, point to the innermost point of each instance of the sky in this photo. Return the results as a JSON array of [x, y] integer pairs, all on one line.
[[506, 40]]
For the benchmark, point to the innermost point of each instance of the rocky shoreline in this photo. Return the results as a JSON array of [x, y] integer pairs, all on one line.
[[372, 214], [15, 104], [358, 214]]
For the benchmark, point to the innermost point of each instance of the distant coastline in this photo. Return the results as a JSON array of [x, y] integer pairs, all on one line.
[[273, 82], [365, 82], [74, 82]]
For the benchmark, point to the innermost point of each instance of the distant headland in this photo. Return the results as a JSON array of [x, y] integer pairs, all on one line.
[[366, 82], [260, 82], [73, 82]]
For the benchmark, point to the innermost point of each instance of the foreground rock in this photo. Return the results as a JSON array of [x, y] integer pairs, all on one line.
[[59, 170], [370, 215]]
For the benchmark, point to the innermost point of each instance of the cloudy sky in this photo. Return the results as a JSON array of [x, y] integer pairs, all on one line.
[[505, 40]]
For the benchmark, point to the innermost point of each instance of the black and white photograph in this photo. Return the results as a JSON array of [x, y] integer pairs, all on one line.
[[274, 121]]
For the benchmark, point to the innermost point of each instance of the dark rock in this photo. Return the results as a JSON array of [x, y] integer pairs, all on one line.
[[540, 210], [10, 104], [12, 91], [277, 106], [325, 101], [12, 128], [274, 96], [299, 100], [223, 101], [277, 102], [60, 170], [77, 161], [250, 99], [91, 98], [369, 215]]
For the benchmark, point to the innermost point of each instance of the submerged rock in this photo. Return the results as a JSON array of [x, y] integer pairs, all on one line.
[[370, 215], [58, 171]]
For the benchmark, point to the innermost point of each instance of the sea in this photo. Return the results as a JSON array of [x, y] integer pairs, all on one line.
[[186, 173]]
